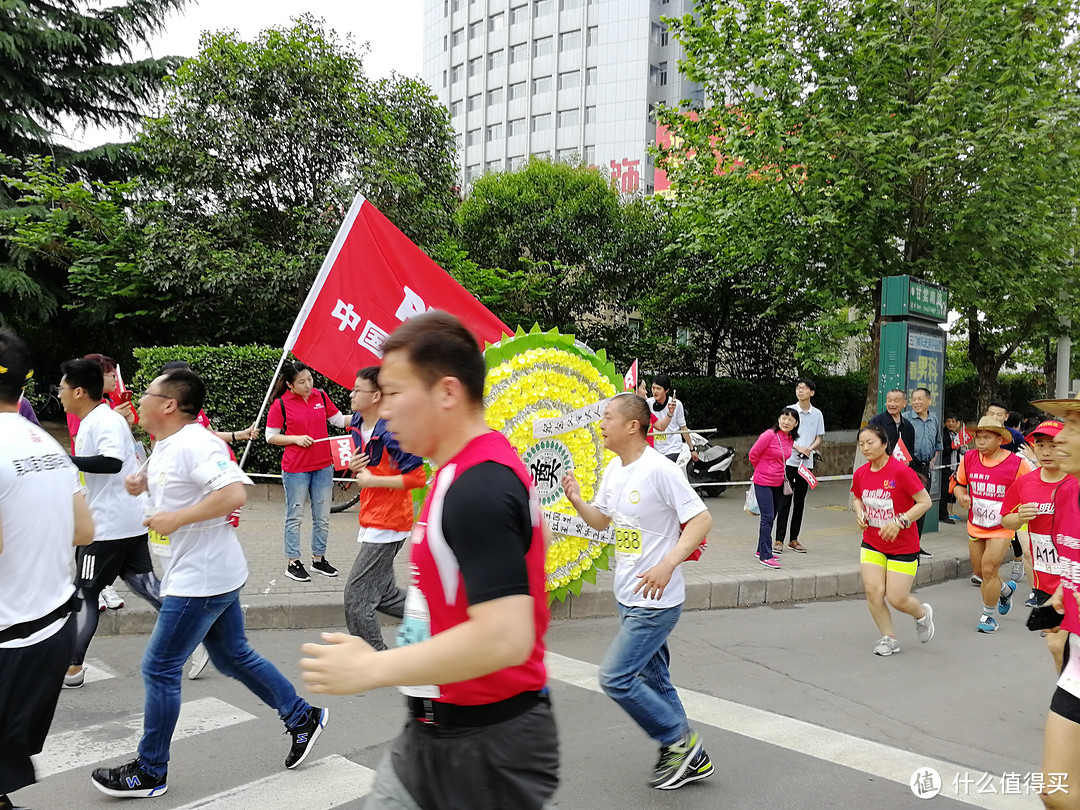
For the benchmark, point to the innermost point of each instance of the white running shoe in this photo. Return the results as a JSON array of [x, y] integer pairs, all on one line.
[[199, 659], [111, 598], [925, 626], [887, 645]]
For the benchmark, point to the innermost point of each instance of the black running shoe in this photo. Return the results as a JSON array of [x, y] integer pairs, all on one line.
[[674, 761], [297, 571], [128, 782], [700, 767], [324, 567], [305, 735]]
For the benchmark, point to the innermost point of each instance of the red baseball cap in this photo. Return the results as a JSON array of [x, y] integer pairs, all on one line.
[[1050, 428]]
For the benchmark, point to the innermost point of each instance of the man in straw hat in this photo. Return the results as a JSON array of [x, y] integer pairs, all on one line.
[[982, 478], [1062, 741]]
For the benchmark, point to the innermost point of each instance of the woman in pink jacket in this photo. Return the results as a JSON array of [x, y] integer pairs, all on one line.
[[768, 457]]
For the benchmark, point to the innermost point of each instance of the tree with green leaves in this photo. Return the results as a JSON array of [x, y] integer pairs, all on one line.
[[253, 160], [922, 137]]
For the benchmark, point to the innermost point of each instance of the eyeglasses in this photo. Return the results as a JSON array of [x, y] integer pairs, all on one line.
[[365, 391]]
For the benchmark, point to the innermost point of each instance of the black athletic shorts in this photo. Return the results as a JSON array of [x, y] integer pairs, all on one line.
[[1065, 703], [30, 682], [100, 563]]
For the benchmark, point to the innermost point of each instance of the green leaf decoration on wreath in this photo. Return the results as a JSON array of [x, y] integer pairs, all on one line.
[[543, 375]]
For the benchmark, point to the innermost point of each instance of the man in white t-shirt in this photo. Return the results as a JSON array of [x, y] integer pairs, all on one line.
[[670, 428], [42, 513], [659, 521], [104, 455], [811, 435], [193, 489]]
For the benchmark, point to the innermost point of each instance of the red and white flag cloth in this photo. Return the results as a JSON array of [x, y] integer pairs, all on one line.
[[341, 450], [120, 387], [900, 453], [630, 379], [810, 478], [962, 438], [372, 280]]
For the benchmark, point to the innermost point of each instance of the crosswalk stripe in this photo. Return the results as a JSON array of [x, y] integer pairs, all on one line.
[[116, 739], [816, 741], [323, 784], [97, 671]]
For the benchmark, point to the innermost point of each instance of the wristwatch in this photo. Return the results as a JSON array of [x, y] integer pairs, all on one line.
[[903, 522]]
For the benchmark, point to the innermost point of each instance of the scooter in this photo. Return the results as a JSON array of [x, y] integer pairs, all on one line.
[[713, 466]]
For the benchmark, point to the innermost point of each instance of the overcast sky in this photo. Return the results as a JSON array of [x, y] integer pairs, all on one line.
[[392, 29]]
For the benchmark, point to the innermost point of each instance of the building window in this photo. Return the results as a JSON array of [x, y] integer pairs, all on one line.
[[519, 15], [663, 73], [475, 102], [541, 155], [458, 141], [567, 156], [570, 80], [472, 137], [516, 162], [590, 115], [444, 79], [495, 96], [569, 118], [658, 74], [543, 7], [496, 59], [634, 327], [570, 41], [650, 113], [457, 37], [455, 5], [455, 108], [592, 36], [569, 5], [658, 33], [496, 22], [476, 29], [445, 42], [476, 66], [541, 123], [516, 90], [590, 155], [542, 85], [682, 335], [542, 46], [457, 72], [519, 53], [493, 166], [590, 76], [515, 126], [472, 172], [494, 133]]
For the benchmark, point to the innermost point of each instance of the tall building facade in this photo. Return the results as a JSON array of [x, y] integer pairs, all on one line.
[[555, 78]]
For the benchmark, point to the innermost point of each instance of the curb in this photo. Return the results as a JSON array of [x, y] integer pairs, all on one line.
[[263, 612]]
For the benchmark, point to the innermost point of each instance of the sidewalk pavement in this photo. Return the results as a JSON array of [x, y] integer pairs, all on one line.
[[728, 575]]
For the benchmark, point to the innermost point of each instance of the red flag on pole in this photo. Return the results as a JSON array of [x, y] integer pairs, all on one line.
[[342, 449], [963, 436], [901, 452], [808, 476], [372, 280], [630, 379]]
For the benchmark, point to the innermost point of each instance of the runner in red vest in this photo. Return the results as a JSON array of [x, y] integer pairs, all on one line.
[[481, 733], [982, 479]]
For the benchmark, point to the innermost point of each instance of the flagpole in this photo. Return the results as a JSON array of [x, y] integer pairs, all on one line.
[[309, 303]]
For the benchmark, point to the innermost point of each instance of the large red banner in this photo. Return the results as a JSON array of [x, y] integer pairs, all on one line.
[[372, 280]]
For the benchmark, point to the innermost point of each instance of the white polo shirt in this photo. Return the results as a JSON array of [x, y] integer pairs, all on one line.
[[37, 482], [205, 558], [117, 514], [648, 501]]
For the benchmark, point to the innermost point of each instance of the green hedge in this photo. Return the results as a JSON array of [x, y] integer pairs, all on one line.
[[236, 381]]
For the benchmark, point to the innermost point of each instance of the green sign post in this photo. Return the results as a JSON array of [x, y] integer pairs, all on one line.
[[913, 352]]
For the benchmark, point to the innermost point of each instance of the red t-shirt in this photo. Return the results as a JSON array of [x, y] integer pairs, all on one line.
[[884, 495], [1031, 488], [303, 419], [1067, 542]]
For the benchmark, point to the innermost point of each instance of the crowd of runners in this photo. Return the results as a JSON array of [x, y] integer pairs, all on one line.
[[469, 655]]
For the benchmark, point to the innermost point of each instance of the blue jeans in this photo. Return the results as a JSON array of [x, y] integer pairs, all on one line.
[[634, 672], [299, 489], [770, 500], [218, 622]]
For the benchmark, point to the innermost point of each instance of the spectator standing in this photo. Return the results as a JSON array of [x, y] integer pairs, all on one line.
[[811, 435], [769, 457], [670, 425], [892, 421]]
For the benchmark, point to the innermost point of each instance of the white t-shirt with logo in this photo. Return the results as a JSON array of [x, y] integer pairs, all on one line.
[[666, 442], [205, 558], [117, 514], [37, 482], [647, 502]]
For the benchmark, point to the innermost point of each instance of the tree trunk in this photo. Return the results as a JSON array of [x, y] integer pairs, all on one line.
[[1050, 367], [870, 406], [987, 363], [714, 347]]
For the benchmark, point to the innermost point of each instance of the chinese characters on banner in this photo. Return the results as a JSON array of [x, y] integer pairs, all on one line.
[[625, 176], [926, 363], [573, 526], [569, 421], [372, 280]]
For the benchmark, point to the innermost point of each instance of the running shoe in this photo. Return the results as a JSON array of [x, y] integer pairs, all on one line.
[[987, 624], [324, 567], [772, 562], [946, 519], [101, 606], [700, 767], [1032, 600], [112, 598], [297, 571], [75, 681], [199, 659], [1005, 600], [129, 782], [976, 579], [925, 626], [305, 735], [924, 553], [887, 645], [1016, 572], [674, 761]]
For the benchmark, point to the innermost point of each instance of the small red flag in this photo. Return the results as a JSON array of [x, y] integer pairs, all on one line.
[[963, 436], [630, 379], [901, 452], [342, 449], [811, 479]]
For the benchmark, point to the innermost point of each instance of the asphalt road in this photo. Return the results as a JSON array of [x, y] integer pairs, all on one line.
[[794, 709]]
